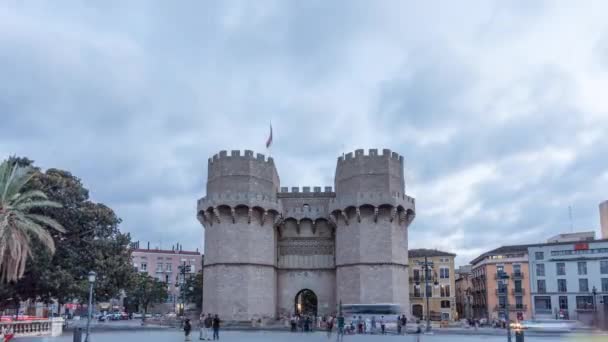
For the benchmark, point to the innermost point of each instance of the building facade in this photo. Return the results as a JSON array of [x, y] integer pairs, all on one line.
[[564, 276], [441, 284], [164, 265], [267, 246], [464, 292], [604, 219], [494, 296]]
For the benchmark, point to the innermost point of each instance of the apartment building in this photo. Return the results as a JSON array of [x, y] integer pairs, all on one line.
[[500, 284], [440, 289], [569, 280]]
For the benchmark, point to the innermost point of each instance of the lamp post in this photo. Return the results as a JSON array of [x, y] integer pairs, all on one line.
[[502, 275], [427, 265], [92, 276]]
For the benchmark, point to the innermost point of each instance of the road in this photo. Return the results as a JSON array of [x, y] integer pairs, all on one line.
[[234, 336]]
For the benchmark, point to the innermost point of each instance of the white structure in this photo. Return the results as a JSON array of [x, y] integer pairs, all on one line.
[[45, 327], [563, 276], [604, 219], [572, 237]]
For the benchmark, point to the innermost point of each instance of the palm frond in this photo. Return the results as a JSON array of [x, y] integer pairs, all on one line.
[[29, 226], [37, 204], [46, 221], [30, 195], [18, 177]]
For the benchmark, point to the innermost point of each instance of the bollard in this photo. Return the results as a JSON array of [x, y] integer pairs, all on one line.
[[77, 335], [519, 336]]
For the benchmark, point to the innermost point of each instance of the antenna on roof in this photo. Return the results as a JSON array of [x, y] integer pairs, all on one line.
[[570, 216]]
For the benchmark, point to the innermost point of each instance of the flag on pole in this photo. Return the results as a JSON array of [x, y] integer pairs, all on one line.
[[269, 141]]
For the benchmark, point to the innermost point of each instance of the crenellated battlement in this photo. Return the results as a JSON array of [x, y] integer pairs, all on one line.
[[243, 155], [371, 153]]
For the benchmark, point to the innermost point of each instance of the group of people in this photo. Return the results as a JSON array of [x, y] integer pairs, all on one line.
[[358, 325], [208, 325], [302, 323], [6, 333]]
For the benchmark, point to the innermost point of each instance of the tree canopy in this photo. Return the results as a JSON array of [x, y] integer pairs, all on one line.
[[92, 241]]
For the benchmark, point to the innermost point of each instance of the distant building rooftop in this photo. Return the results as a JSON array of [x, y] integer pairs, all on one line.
[[572, 237], [165, 251], [423, 252]]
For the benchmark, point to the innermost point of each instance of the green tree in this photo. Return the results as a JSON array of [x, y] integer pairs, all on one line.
[[19, 222], [196, 294], [92, 241], [147, 291]]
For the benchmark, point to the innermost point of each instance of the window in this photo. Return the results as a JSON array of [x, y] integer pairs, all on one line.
[[159, 267], [517, 269], [561, 268], [445, 290], [563, 302], [144, 267], [417, 291], [584, 302], [519, 302], [518, 288], [542, 304], [582, 268], [583, 285], [539, 256], [168, 267], [502, 302], [562, 285], [605, 287], [604, 266], [445, 304], [444, 273], [429, 291], [540, 270], [416, 275], [541, 285]]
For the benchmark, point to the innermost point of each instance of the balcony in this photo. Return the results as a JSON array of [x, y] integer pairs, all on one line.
[[517, 275], [501, 292], [518, 292]]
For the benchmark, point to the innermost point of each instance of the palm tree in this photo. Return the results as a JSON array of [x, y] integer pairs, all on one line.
[[17, 224]]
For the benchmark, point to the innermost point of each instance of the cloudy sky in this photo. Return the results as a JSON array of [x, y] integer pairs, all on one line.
[[500, 109]]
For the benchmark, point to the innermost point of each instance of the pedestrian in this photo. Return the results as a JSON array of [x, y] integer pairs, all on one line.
[[293, 323], [330, 325], [201, 324], [340, 327], [382, 324], [208, 326], [398, 325], [187, 329], [7, 333], [404, 323], [373, 324], [216, 327], [360, 325]]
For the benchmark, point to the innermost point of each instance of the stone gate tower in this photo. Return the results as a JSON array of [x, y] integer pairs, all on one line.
[[266, 244], [239, 215], [372, 214]]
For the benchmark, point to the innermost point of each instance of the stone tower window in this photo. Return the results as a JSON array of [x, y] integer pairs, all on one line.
[[306, 207]]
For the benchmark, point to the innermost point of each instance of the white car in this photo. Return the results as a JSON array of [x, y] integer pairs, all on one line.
[[137, 315]]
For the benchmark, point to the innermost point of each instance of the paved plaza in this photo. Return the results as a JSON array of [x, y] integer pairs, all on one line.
[[234, 336]]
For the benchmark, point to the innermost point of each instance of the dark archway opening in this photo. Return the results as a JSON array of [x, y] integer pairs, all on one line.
[[306, 303], [417, 311]]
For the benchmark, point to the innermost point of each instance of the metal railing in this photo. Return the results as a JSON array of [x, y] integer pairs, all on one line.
[[518, 292]]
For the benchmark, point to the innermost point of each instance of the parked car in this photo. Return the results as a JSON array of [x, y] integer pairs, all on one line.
[[102, 318], [137, 315]]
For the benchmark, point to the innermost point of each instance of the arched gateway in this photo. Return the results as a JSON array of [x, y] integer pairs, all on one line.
[[265, 243], [306, 303]]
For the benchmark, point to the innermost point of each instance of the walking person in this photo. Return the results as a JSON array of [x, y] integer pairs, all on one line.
[[404, 324], [373, 324], [382, 325], [340, 323], [399, 327], [187, 329], [208, 326], [216, 327], [329, 325], [201, 327]]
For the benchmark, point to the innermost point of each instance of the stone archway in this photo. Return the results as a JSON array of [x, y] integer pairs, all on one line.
[[417, 311], [306, 303]]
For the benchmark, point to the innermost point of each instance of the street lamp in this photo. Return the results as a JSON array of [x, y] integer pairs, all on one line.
[[427, 265], [92, 277], [502, 275]]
